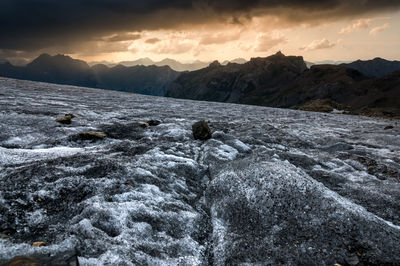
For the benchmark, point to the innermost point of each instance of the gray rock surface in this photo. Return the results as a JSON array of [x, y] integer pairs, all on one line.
[[272, 187]]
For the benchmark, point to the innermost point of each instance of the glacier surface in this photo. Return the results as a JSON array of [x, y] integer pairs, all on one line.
[[272, 187]]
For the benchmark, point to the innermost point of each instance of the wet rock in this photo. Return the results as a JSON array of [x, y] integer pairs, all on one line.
[[153, 123], [352, 260], [38, 244], [24, 261], [323, 105], [201, 130], [386, 112], [131, 131], [92, 135], [388, 127], [339, 147], [67, 119], [70, 115], [144, 124], [4, 236], [68, 258]]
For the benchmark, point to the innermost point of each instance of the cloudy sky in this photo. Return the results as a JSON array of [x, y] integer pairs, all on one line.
[[187, 30]]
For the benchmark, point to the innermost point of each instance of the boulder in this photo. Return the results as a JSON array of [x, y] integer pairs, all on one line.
[[144, 124], [67, 119], [67, 258], [38, 244], [70, 115], [201, 130], [24, 261], [153, 123], [323, 105], [4, 236], [92, 135]]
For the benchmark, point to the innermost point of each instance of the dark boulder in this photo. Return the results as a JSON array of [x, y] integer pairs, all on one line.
[[201, 130], [68, 258], [67, 119], [323, 105], [24, 261], [153, 123], [92, 135], [144, 124], [133, 131]]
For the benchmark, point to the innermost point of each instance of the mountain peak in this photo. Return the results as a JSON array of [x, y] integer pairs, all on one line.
[[278, 56], [295, 62], [377, 67], [59, 60], [214, 64], [43, 56], [379, 59], [236, 61], [168, 61]]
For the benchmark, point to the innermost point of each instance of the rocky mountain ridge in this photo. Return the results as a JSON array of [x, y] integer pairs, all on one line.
[[277, 80], [285, 81], [173, 64], [63, 69], [377, 67]]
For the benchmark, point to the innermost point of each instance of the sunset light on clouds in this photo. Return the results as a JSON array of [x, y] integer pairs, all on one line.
[[199, 30]]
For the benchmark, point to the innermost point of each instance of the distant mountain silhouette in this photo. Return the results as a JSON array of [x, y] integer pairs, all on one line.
[[178, 66], [151, 80], [330, 62], [236, 60], [139, 62], [60, 69], [326, 62], [174, 64], [285, 81], [377, 67], [277, 81], [63, 69]]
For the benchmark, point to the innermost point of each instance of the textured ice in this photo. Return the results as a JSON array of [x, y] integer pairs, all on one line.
[[272, 186], [8, 156]]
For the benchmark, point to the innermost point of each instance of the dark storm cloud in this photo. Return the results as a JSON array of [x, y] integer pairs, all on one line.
[[36, 24], [122, 37]]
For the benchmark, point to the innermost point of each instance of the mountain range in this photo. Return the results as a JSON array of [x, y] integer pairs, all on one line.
[[61, 69], [377, 67], [364, 87], [174, 64], [285, 81]]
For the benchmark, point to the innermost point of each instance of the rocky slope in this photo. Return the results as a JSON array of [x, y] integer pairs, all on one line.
[[376, 67], [252, 82], [284, 81], [272, 186]]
